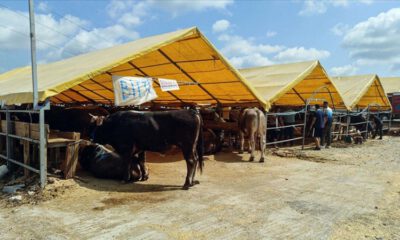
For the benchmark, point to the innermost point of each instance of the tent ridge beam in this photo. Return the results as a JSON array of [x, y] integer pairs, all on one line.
[[187, 75], [142, 72], [167, 63]]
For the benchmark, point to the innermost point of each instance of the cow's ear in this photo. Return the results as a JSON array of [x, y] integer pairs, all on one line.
[[93, 118]]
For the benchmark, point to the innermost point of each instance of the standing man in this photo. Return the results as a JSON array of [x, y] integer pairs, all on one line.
[[318, 124], [327, 137]]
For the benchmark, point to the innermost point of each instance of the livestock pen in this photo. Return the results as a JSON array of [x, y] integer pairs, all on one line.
[[186, 56], [365, 96], [292, 86]]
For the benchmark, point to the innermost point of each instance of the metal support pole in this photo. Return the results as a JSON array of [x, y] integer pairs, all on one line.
[[367, 122], [266, 131], [9, 140], [348, 123], [33, 54], [304, 127], [43, 147]]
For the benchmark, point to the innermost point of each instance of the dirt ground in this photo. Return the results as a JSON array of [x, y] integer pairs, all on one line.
[[337, 193]]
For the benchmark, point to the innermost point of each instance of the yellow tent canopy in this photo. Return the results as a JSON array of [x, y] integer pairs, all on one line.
[[184, 55], [391, 84], [292, 84], [361, 91]]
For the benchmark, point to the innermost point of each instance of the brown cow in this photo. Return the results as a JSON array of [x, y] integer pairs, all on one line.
[[253, 126]]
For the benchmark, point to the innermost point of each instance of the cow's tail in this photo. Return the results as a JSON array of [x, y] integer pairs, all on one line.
[[200, 145]]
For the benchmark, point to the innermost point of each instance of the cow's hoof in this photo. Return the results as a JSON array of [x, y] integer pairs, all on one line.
[[185, 187], [195, 182], [251, 159], [240, 152], [261, 160], [135, 180], [249, 152], [144, 178]]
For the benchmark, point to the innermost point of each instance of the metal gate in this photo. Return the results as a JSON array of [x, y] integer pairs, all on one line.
[[42, 142]]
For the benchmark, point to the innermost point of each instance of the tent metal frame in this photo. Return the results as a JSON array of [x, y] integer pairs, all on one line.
[[312, 98]]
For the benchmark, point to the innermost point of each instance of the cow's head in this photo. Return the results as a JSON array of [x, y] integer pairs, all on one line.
[[96, 123], [98, 120]]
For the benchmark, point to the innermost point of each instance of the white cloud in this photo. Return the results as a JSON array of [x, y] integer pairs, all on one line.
[[246, 52], [88, 41], [58, 38], [221, 25], [340, 29], [271, 34], [346, 70], [301, 54], [16, 33], [129, 13], [368, 2], [376, 40], [180, 6], [318, 7], [313, 7], [253, 59], [340, 3], [133, 12], [43, 7], [237, 45]]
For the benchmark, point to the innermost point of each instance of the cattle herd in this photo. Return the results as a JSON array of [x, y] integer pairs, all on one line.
[[116, 139]]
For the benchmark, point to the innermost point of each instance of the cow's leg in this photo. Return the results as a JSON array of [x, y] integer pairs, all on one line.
[[241, 136], [190, 165], [126, 154], [196, 161], [135, 171], [262, 147], [252, 145], [143, 168], [127, 166]]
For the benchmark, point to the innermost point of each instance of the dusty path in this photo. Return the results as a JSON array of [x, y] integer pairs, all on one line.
[[340, 193]]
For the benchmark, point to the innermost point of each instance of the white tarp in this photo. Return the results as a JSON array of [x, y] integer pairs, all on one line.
[[133, 90], [168, 84]]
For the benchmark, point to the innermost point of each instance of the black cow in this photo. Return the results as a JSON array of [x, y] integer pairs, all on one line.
[[70, 119], [132, 132], [75, 119], [104, 163]]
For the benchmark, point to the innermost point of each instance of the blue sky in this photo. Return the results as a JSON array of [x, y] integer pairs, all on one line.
[[348, 36]]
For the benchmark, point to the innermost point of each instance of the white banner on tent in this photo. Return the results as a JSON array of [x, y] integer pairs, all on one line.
[[133, 90], [168, 84]]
